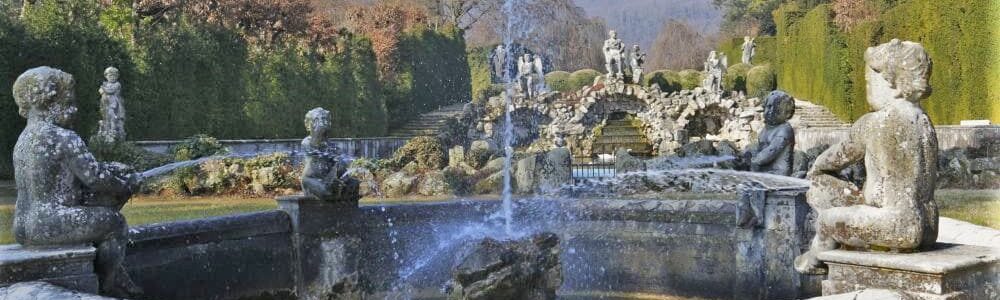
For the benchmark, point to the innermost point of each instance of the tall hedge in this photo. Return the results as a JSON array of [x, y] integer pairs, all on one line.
[[817, 61]]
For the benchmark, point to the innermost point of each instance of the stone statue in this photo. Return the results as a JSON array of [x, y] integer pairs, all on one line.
[[749, 49], [895, 209], [638, 59], [529, 71], [614, 51], [715, 69], [323, 174], [775, 146], [499, 60], [539, 72], [111, 128], [64, 196]]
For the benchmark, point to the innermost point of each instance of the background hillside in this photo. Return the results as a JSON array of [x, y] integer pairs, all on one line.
[[642, 20]]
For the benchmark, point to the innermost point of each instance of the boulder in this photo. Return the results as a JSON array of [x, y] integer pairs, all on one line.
[[433, 184], [398, 184], [456, 156], [479, 153], [698, 148], [524, 174], [527, 269], [368, 186], [554, 170], [625, 162], [492, 184]]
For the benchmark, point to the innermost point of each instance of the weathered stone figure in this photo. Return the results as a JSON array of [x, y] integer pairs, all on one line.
[[715, 69], [614, 52], [526, 75], [111, 128], [638, 59], [64, 196], [775, 146], [499, 61], [749, 49], [323, 173], [895, 209]]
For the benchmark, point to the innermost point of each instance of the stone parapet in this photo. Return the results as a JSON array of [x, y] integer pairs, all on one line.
[[69, 266], [948, 271]]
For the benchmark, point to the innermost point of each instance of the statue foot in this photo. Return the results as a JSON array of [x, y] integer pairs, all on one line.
[[808, 264]]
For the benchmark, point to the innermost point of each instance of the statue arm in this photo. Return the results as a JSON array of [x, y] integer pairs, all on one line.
[[92, 173], [773, 149], [840, 155]]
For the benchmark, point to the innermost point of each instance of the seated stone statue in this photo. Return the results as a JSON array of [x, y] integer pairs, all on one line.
[[323, 175], [64, 196], [775, 146], [895, 209]]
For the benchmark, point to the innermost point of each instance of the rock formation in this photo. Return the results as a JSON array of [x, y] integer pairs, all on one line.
[[527, 269]]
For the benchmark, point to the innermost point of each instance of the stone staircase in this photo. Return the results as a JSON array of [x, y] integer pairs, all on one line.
[[808, 115], [428, 124], [622, 134]]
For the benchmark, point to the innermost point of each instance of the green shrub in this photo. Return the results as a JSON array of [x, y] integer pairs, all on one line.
[[761, 80], [582, 78], [669, 81], [559, 81], [427, 152], [735, 79], [196, 147], [127, 153], [690, 79]]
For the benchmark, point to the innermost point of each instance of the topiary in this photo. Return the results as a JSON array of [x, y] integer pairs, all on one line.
[[669, 81], [761, 80], [582, 78], [559, 81], [690, 79], [736, 78], [196, 147]]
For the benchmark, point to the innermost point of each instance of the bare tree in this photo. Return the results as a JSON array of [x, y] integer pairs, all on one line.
[[678, 47]]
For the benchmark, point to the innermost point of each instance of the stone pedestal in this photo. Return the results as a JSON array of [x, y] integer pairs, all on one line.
[[948, 271], [326, 245], [71, 267]]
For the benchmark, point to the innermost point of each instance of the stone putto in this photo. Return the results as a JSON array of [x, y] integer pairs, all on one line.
[[749, 49], [715, 69], [111, 128], [895, 208], [64, 195], [775, 146], [324, 172], [638, 58]]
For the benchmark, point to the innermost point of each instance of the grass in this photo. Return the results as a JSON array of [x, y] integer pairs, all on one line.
[[981, 207]]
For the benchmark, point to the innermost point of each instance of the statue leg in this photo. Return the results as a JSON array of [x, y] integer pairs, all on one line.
[[866, 227], [825, 193], [608, 65]]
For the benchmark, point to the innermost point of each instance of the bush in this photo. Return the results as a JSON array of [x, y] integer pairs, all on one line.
[[559, 81], [761, 80], [196, 147], [259, 175], [427, 152], [690, 79], [669, 81], [735, 79], [127, 153], [582, 78]]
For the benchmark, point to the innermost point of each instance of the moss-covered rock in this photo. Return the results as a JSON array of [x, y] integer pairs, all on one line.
[[426, 152], [761, 80], [669, 81], [735, 79], [559, 81]]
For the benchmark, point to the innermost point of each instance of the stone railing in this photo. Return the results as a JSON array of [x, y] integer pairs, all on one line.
[[378, 147]]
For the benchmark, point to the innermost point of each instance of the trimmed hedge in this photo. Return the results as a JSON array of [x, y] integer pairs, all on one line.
[[669, 81], [559, 81], [736, 78], [690, 79], [760, 81], [818, 62], [582, 78]]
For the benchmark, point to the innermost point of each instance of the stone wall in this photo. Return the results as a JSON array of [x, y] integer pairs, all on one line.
[[949, 137], [382, 147]]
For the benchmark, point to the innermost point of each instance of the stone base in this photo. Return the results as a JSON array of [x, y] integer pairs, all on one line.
[[948, 271], [71, 267]]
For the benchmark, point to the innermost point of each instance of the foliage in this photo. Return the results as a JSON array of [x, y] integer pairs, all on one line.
[[748, 17], [690, 79], [127, 153], [435, 64], [678, 46], [817, 61], [760, 81], [736, 78], [259, 175], [426, 152], [559, 81], [582, 78], [479, 70], [196, 147], [669, 81]]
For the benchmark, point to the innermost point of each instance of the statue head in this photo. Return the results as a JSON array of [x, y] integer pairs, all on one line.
[[778, 108], [712, 55], [613, 34], [635, 48], [46, 94], [318, 121], [111, 74], [897, 70], [746, 38]]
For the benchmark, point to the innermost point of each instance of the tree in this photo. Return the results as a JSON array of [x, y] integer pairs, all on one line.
[[748, 17], [678, 47]]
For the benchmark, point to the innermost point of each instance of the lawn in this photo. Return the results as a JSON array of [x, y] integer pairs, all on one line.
[[980, 207]]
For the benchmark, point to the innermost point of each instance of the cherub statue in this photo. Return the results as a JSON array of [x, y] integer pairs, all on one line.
[[527, 71], [64, 196], [749, 49], [638, 59], [775, 146], [499, 61], [323, 174], [895, 209], [614, 51], [112, 128]]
